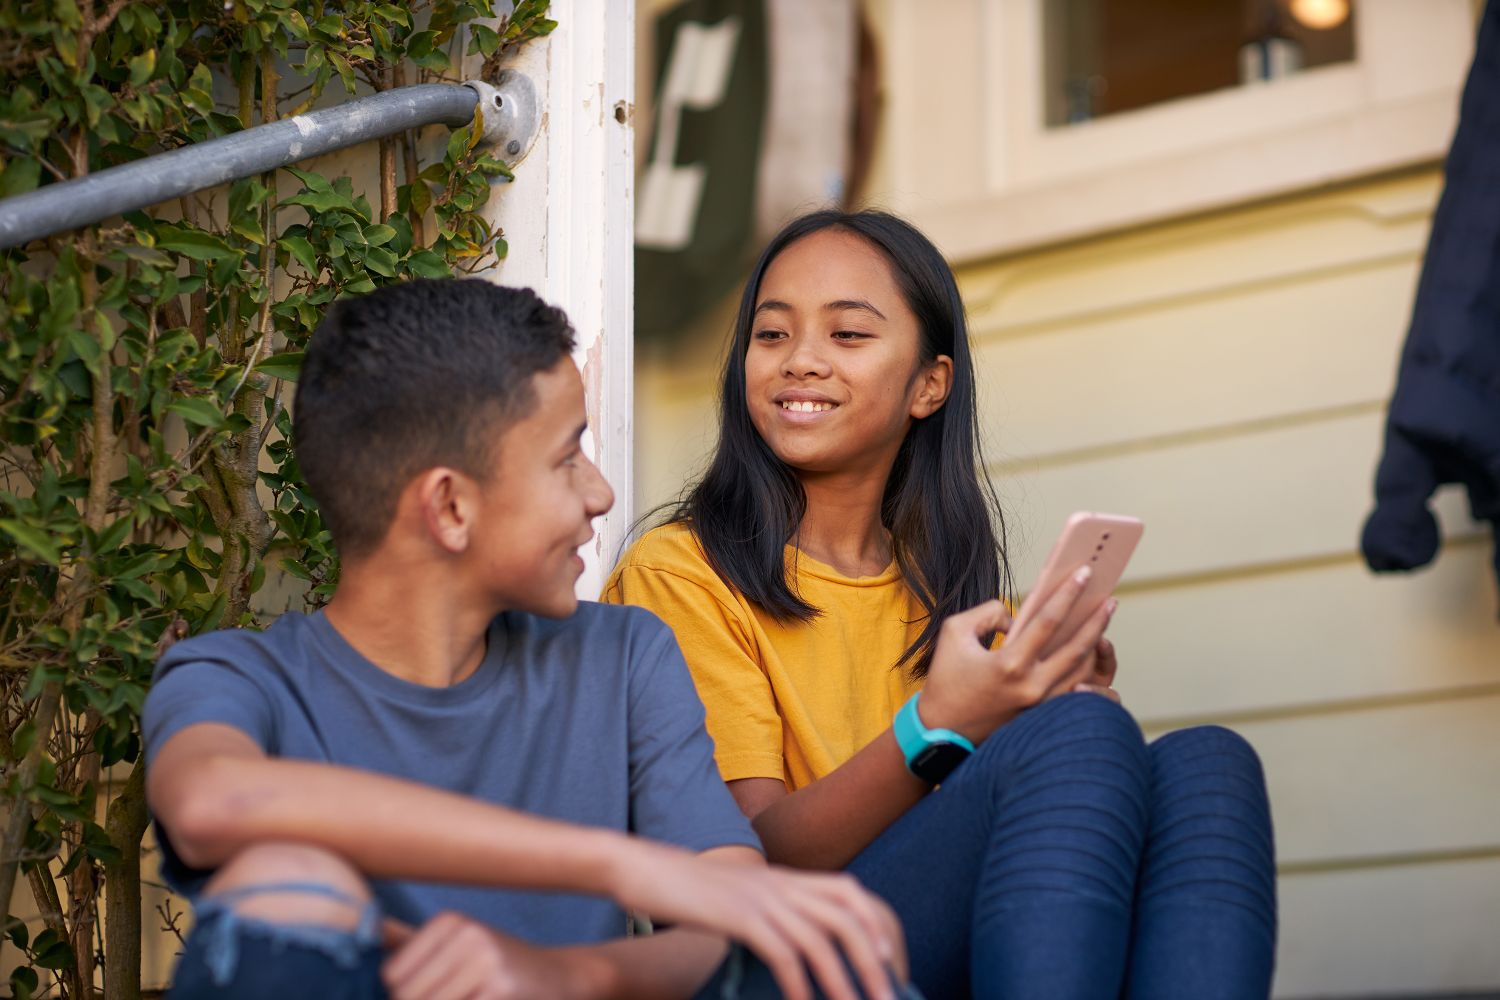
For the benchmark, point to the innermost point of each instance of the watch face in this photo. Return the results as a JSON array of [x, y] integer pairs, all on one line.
[[937, 761]]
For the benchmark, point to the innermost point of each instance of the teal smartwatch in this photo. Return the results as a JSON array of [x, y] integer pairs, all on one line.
[[931, 754]]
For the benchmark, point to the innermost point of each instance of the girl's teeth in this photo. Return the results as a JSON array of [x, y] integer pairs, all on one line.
[[805, 406]]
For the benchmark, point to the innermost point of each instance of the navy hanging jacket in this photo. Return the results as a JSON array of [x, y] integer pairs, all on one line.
[[1444, 420]]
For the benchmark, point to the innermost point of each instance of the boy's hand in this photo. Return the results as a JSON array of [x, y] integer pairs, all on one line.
[[452, 957], [789, 919], [975, 690]]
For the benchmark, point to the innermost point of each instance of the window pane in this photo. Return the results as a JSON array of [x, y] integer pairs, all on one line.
[[1108, 56]]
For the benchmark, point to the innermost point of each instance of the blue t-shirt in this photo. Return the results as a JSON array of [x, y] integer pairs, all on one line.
[[591, 719]]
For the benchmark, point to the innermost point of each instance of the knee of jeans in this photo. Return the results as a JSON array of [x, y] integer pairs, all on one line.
[[1206, 748], [1073, 734]]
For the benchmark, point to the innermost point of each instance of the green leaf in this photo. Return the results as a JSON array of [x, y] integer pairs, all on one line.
[[194, 243], [394, 14], [302, 251], [483, 40], [379, 234], [426, 264], [141, 67], [310, 180], [248, 226], [461, 141], [85, 346], [66, 12], [492, 167], [198, 411], [319, 201], [20, 747], [33, 540], [106, 331], [381, 261], [52, 952], [343, 69], [21, 174], [245, 196], [199, 93], [23, 979], [112, 537], [285, 366], [401, 226]]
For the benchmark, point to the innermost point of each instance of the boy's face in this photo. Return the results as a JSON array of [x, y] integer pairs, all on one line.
[[541, 495]]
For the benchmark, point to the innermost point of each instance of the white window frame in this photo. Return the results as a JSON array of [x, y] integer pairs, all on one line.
[[1395, 106]]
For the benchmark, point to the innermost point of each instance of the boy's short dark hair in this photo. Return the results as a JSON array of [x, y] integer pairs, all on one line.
[[414, 375]]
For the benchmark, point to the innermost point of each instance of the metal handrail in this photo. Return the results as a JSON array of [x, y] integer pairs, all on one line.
[[81, 201]]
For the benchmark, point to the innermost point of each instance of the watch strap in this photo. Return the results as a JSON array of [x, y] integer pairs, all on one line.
[[931, 754]]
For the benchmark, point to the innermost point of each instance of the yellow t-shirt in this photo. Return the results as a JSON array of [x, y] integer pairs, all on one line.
[[790, 701]]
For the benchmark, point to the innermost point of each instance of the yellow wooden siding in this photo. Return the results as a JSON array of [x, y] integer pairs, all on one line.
[[1236, 370], [1225, 378]]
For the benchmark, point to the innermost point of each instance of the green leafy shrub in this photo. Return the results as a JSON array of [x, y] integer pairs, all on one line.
[[145, 482]]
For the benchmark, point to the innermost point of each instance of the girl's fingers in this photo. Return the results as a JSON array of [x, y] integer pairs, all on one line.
[[982, 619], [1107, 692], [1063, 666], [1033, 636], [1105, 663]]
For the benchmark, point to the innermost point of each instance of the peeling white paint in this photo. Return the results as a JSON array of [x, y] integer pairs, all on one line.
[[304, 124]]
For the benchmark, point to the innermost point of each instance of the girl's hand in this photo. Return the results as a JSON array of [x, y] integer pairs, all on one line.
[[1101, 678], [974, 690]]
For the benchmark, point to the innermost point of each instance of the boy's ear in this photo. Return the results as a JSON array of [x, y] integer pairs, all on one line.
[[933, 385], [448, 503]]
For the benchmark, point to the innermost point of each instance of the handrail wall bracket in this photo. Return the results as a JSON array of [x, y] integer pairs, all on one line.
[[511, 114]]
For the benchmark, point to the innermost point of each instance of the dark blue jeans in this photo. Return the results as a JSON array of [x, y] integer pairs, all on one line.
[[1068, 859]]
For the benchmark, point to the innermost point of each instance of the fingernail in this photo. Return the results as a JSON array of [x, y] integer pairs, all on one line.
[[1083, 574], [1113, 604]]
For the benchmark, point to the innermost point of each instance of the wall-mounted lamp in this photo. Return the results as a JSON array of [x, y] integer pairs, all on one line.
[[1320, 14]]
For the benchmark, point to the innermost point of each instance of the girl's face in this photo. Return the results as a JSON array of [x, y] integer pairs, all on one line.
[[833, 372]]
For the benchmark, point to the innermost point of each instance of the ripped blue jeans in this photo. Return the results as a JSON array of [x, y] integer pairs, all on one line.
[[230, 956]]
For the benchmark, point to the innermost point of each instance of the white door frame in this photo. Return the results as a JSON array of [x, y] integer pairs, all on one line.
[[569, 218]]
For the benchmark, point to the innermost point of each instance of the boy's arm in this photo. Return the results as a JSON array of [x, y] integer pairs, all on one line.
[[215, 792]]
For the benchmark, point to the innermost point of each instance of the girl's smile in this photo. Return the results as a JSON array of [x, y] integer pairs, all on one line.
[[800, 406]]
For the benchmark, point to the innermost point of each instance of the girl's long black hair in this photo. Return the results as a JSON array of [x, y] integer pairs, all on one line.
[[947, 529]]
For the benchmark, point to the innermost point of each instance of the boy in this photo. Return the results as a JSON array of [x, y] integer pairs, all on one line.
[[427, 786]]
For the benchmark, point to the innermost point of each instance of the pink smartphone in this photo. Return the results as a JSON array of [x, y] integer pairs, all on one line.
[[1103, 542]]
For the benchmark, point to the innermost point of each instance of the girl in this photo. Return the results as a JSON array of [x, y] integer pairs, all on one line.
[[832, 581]]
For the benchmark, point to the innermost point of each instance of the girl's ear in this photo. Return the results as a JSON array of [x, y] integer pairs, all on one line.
[[933, 386]]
